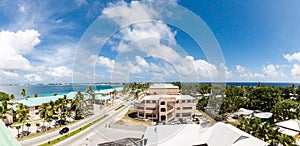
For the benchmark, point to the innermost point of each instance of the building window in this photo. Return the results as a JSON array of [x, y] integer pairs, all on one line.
[[178, 115], [183, 101], [163, 103], [188, 101], [186, 114], [163, 110], [140, 108], [178, 108], [177, 101], [187, 108], [147, 101], [153, 101], [149, 108]]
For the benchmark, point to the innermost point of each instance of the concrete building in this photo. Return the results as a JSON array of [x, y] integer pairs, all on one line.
[[163, 89], [163, 103]]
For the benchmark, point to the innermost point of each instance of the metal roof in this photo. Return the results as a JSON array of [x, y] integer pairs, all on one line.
[[192, 134], [6, 137]]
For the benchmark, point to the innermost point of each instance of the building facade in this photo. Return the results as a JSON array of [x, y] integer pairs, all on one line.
[[163, 103]]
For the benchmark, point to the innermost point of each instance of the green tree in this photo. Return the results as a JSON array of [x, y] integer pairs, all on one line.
[[23, 93], [91, 93], [28, 125], [286, 109], [22, 114], [78, 105], [18, 128], [35, 95]]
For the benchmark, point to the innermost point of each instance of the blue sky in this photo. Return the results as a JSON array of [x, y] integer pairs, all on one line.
[[39, 40]]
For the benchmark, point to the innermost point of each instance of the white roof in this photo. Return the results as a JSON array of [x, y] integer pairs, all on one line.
[[243, 111], [191, 134], [263, 115], [156, 97], [288, 132], [290, 124], [163, 86]]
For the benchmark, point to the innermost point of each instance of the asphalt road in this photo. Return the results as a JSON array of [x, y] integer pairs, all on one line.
[[99, 133], [55, 134]]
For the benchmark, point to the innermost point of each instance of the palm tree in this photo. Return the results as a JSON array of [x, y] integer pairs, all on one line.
[[114, 92], [12, 97], [23, 93], [37, 126], [18, 128], [28, 125], [22, 114], [78, 104], [90, 91], [43, 112]]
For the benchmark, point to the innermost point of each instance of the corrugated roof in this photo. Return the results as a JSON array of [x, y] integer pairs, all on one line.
[[40, 100], [6, 137]]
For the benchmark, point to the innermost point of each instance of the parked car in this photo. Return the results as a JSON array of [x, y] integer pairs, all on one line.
[[64, 130], [44, 128], [60, 122], [24, 133], [175, 122]]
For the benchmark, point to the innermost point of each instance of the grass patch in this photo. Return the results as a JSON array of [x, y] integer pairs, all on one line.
[[129, 119], [119, 107], [212, 120], [57, 140]]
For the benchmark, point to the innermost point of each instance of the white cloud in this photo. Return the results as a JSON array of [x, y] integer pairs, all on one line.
[[104, 61], [292, 57], [55, 56], [124, 13], [13, 45], [59, 72], [9, 74], [33, 77], [22, 9], [240, 68], [81, 2], [296, 70]]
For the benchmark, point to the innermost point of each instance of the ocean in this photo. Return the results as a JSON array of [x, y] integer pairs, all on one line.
[[49, 90]]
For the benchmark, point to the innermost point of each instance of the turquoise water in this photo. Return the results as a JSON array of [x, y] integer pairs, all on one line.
[[49, 90]]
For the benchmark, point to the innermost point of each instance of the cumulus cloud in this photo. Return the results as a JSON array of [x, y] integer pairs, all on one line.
[[295, 70], [59, 72], [240, 68], [146, 38], [13, 47], [9, 74], [32, 77], [292, 57]]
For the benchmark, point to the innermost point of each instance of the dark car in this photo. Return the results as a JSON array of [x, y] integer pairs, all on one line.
[[60, 122], [24, 133], [64, 130]]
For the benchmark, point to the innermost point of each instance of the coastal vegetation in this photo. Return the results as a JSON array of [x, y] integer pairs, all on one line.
[[283, 102], [135, 88]]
